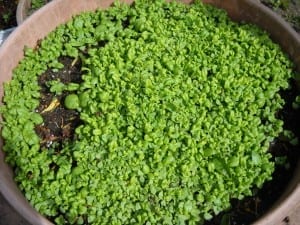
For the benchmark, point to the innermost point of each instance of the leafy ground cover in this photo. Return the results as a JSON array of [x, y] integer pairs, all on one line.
[[60, 121], [140, 110], [289, 9]]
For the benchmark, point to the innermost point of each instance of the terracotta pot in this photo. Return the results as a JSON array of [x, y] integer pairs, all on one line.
[[59, 11], [23, 10]]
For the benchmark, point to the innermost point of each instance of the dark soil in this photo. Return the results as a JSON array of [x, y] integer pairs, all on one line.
[[8, 10], [59, 122]]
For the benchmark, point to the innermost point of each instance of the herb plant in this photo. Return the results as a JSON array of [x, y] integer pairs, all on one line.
[[178, 107]]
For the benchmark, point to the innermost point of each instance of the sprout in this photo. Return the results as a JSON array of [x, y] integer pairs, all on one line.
[[72, 101]]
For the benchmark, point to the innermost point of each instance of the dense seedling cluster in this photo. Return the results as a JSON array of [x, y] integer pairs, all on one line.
[[178, 107]]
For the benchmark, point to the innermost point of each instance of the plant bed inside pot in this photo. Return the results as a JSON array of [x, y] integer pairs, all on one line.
[[141, 113]]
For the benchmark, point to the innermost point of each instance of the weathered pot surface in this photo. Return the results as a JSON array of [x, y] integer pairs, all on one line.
[[59, 11], [22, 10]]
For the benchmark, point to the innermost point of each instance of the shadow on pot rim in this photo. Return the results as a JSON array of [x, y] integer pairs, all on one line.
[[60, 11]]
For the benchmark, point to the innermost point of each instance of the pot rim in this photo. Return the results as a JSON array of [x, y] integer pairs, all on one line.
[[21, 14]]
